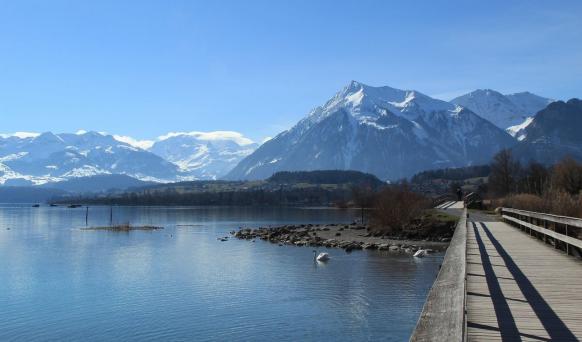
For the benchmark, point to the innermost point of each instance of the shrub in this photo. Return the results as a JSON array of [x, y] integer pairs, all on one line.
[[554, 202], [525, 202], [397, 206], [562, 203]]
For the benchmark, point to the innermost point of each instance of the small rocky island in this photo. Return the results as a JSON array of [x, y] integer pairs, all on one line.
[[123, 228], [346, 236]]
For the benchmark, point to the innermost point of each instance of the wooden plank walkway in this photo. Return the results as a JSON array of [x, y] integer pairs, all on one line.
[[459, 205], [519, 288]]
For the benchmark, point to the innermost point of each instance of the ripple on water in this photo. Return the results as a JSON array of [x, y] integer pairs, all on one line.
[[183, 284]]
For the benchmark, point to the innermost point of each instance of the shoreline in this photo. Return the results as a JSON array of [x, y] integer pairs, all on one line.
[[345, 236]]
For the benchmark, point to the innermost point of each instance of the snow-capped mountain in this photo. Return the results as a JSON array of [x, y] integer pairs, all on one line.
[[512, 112], [553, 134], [203, 155], [388, 132], [48, 157], [33, 158]]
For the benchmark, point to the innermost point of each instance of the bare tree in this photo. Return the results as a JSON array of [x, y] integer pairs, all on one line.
[[504, 175], [536, 178], [363, 197], [567, 176]]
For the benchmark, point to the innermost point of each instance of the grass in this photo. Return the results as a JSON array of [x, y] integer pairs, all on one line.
[[439, 216]]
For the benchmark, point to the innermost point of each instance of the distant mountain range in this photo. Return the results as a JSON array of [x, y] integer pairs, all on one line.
[[203, 155], [34, 159], [388, 132]]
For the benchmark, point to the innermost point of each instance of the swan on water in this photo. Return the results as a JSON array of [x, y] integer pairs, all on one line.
[[421, 253], [321, 257]]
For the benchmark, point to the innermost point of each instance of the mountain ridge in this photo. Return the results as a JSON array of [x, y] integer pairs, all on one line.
[[553, 134], [511, 112], [37, 158], [385, 131]]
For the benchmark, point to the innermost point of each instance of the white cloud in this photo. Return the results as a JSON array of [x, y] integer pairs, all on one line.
[[143, 144], [216, 135], [21, 135]]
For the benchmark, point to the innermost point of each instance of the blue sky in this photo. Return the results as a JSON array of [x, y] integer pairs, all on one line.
[[144, 68]]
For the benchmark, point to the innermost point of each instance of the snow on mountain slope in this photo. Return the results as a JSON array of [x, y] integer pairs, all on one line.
[[389, 132], [505, 111], [204, 155], [518, 131], [34, 158], [49, 157]]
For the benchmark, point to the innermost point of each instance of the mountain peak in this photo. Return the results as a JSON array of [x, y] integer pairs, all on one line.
[[355, 85], [484, 92], [505, 111], [48, 137], [369, 103]]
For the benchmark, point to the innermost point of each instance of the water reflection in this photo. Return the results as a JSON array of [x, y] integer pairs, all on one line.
[[181, 283]]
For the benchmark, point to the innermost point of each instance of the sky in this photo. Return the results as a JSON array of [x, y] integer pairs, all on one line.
[[146, 68]]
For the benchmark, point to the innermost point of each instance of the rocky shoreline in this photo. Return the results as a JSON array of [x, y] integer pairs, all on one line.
[[346, 236]]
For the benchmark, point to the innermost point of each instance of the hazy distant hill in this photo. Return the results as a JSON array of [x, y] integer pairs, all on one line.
[[326, 177], [99, 183], [12, 194], [285, 188]]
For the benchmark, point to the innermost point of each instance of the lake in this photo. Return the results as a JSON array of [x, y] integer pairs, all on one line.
[[58, 282]]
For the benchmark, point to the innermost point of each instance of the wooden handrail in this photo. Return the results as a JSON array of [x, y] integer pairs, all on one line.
[[517, 216], [570, 221], [443, 315], [564, 238]]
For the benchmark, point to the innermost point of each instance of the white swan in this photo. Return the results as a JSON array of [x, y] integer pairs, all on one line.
[[321, 257], [421, 253]]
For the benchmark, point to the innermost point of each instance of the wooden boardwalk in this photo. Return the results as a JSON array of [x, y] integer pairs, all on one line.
[[518, 288], [458, 205]]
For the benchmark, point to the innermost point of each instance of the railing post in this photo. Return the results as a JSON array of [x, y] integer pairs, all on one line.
[[567, 244], [555, 240]]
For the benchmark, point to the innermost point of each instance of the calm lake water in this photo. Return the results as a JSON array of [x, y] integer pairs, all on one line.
[[60, 283]]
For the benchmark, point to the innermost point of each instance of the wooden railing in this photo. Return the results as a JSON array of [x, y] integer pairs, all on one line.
[[441, 199], [443, 316], [473, 200], [562, 232]]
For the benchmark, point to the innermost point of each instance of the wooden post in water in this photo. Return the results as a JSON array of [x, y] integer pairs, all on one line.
[[87, 216], [111, 216]]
